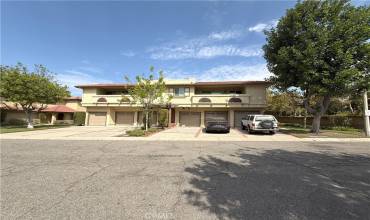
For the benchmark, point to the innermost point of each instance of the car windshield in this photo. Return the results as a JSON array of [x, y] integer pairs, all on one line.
[[265, 117]]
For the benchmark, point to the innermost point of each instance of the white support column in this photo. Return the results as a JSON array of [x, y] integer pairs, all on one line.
[[110, 118], [53, 117], [202, 119], [366, 115], [86, 118], [177, 117], [169, 117], [135, 118], [231, 118]]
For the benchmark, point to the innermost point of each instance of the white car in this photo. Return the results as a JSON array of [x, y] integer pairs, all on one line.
[[265, 123]]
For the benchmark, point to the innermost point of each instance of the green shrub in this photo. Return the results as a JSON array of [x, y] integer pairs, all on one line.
[[15, 121], [79, 118], [136, 133], [152, 130], [163, 118], [43, 118]]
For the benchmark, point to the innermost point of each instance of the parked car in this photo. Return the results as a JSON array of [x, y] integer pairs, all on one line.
[[263, 123], [218, 126]]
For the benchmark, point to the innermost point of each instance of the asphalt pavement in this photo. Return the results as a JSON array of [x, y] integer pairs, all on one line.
[[70, 179]]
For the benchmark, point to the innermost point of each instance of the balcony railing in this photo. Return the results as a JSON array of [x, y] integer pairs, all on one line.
[[229, 99], [199, 100]]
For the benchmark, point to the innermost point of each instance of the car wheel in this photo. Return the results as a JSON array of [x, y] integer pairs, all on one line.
[[243, 127], [249, 130], [272, 132]]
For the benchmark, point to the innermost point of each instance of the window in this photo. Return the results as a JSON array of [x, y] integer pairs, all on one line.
[[181, 91], [265, 117], [60, 116]]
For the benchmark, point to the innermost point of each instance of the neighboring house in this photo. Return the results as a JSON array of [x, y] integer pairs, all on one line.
[[61, 113], [193, 103]]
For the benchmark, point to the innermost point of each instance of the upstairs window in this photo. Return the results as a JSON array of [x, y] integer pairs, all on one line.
[[181, 91]]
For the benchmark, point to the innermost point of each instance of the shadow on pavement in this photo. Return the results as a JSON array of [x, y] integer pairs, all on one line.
[[280, 184]]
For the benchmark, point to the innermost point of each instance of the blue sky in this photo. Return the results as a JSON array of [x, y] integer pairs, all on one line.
[[96, 42]]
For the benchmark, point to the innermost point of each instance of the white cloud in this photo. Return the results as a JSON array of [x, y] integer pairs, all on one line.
[[224, 73], [71, 78], [194, 51], [263, 26], [127, 53], [225, 35], [205, 47]]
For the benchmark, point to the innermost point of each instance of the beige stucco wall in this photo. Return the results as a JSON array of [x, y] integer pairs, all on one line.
[[255, 95]]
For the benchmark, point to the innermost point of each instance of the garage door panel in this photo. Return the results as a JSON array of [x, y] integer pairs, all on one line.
[[216, 116], [125, 118], [238, 115], [97, 118], [190, 119]]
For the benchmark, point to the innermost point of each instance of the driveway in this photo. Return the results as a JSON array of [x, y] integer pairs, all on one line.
[[54, 179], [73, 132], [199, 134]]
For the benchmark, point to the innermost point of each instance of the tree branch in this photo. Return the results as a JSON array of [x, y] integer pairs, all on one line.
[[308, 107]]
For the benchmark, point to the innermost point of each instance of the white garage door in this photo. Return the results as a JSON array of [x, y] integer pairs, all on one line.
[[125, 118], [97, 118], [190, 119], [216, 116], [238, 115]]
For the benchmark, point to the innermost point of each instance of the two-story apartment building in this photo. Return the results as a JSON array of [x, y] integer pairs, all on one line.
[[193, 103]]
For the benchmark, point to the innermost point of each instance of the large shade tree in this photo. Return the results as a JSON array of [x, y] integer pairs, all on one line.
[[322, 48], [32, 90]]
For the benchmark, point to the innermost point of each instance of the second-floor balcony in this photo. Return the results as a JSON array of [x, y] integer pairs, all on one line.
[[204, 100], [220, 99]]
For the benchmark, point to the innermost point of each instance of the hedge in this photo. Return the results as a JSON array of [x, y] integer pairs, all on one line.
[[79, 118]]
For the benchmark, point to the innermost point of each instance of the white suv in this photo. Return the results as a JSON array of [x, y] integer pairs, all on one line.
[[260, 123]]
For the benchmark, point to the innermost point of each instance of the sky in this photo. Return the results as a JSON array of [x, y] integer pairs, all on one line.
[[102, 42]]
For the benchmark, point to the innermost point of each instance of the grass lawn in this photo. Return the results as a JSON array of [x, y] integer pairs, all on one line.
[[140, 132], [336, 132], [11, 129]]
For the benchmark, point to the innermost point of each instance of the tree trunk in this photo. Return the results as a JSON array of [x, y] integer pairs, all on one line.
[[29, 119], [146, 120], [316, 123], [318, 112]]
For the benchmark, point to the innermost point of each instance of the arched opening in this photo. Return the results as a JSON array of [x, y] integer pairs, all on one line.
[[102, 100], [235, 100], [205, 100]]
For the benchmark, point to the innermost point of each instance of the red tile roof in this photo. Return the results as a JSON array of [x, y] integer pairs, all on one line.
[[49, 108], [73, 98], [58, 108]]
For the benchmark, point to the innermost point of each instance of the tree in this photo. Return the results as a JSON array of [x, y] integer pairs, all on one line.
[[283, 102], [31, 90], [149, 93], [321, 48]]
